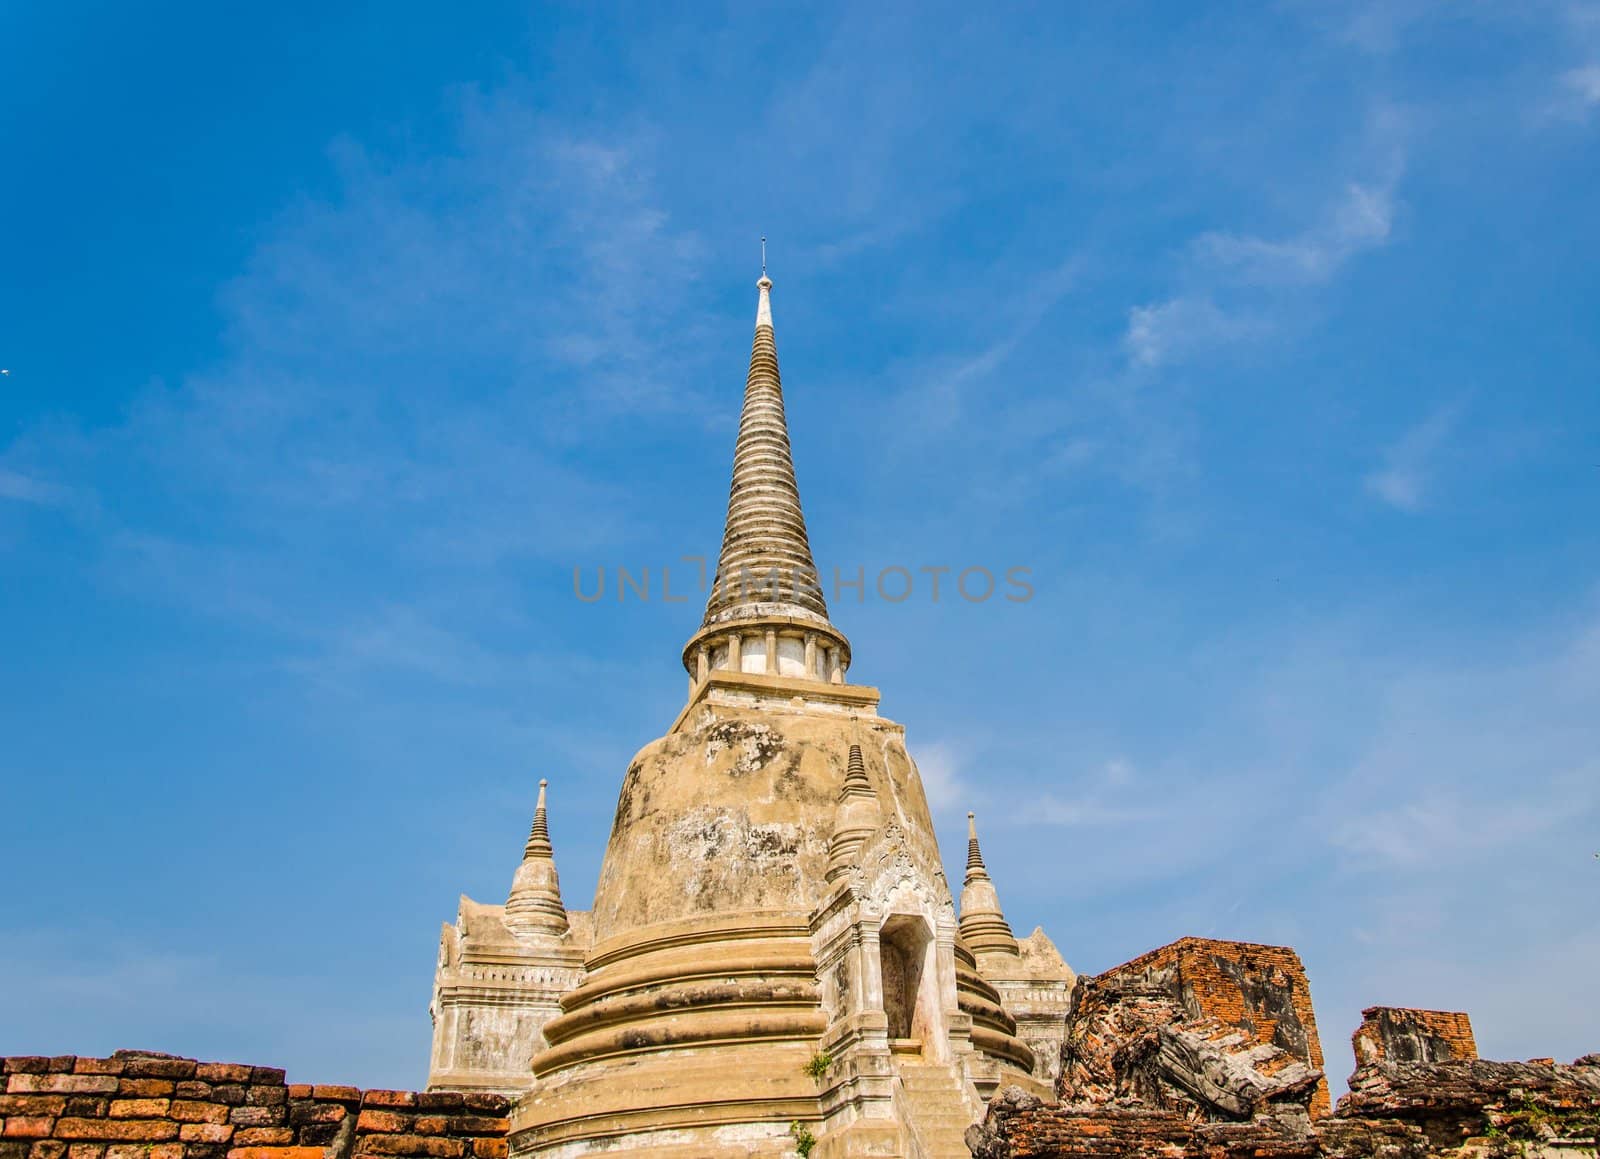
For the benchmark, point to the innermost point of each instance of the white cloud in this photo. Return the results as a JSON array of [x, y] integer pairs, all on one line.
[[941, 775], [1579, 91], [1363, 219], [1172, 330], [1440, 827], [1410, 464], [25, 489]]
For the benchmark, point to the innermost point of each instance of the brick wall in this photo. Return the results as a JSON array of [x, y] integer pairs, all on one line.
[[1262, 990], [153, 1106], [1396, 1034]]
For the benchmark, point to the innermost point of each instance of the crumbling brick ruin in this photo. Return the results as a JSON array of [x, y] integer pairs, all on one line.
[[1197, 1023], [135, 1105], [1206, 1048]]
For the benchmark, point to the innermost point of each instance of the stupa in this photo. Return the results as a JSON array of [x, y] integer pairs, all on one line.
[[773, 961]]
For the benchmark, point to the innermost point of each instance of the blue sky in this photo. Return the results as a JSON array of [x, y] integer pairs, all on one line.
[[1264, 336]]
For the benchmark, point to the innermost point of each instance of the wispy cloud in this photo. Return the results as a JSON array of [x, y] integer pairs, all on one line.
[[942, 395], [1578, 92], [1410, 464], [942, 779], [1372, 26], [1439, 827], [22, 488], [1248, 267], [1173, 330], [1363, 219]]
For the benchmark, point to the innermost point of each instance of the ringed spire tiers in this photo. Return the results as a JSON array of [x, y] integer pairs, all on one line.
[[766, 611], [983, 926], [534, 906]]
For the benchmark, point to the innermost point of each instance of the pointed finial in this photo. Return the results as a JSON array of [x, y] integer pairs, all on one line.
[[763, 257], [763, 302], [974, 858], [539, 836]]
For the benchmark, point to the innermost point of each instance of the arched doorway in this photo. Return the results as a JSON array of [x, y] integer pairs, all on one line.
[[903, 950]]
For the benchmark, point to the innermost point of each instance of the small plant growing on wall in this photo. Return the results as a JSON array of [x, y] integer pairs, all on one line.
[[804, 1140], [817, 1066]]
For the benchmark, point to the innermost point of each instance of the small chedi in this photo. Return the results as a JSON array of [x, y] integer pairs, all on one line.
[[775, 965]]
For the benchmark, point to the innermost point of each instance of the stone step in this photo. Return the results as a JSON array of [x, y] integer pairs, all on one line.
[[937, 1106]]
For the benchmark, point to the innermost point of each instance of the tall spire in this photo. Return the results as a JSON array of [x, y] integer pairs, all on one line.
[[983, 927], [765, 567], [766, 613], [534, 906]]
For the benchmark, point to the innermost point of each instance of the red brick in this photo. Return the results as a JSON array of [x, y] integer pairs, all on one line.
[[263, 1137], [28, 1127], [430, 1148], [489, 1148], [120, 1130], [266, 1096], [47, 1149], [32, 1104], [25, 1064], [70, 1083], [382, 1122], [300, 1090], [97, 1066], [145, 1088], [145, 1067], [336, 1094], [307, 1112], [389, 1099], [144, 1151], [85, 1150], [275, 1153], [487, 1104], [475, 1125], [192, 1089], [440, 1101], [194, 1111], [256, 1116], [270, 1075], [139, 1108], [428, 1125], [222, 1072], [207, 1132], [231, 1093]]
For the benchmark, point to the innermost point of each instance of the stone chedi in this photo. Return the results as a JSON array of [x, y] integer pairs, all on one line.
[[774, 952]]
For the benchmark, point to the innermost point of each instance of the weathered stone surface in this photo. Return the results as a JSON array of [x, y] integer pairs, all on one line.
[[145, 1088], [1227, 1026], [1205, 1029], [222, 1072], [1469, 1109], [1399, 1035]]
